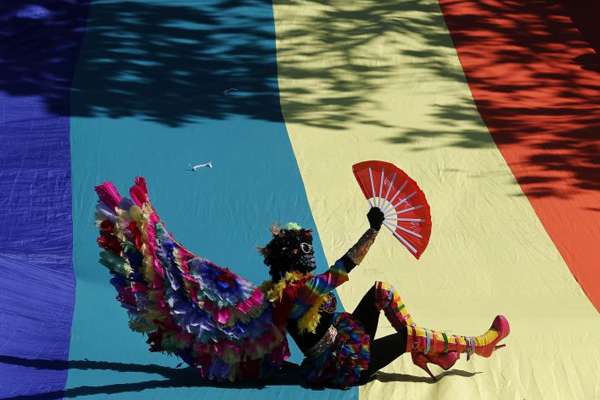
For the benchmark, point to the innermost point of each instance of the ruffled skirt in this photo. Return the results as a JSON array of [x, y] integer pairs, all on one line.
[[342, 363]]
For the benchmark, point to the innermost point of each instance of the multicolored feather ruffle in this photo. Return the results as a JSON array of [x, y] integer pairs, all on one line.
[[188, 306]]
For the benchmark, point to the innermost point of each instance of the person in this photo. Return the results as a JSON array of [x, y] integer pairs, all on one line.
[[231, 330], [340, 348]]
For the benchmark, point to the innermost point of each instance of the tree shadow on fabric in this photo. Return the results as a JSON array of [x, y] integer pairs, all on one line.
[[350, 48], [532, 90], [536, 87], [165, 63], [173, 377], [175, 64], [38, 49], [584, 15], [353, 49]]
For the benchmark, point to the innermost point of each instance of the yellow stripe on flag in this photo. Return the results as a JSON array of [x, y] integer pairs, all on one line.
[[372, 80]]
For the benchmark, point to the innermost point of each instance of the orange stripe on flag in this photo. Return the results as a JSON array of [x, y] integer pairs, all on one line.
[[526, 67]]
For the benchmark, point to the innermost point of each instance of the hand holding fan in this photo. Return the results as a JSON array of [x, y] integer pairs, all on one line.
[[402, 201]]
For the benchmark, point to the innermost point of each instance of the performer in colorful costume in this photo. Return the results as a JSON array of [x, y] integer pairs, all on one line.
[[231, 330]]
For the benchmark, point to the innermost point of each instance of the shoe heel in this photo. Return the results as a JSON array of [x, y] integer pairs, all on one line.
[[420, 360]]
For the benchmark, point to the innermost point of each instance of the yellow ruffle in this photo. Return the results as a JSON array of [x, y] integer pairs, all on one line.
[[310, 320], [274, 292]]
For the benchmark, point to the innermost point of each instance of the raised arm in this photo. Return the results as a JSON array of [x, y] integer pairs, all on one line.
[[355, 255], [338, 273]]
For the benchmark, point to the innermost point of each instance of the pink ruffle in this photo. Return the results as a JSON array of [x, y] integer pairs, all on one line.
[[251, 302], [108, 194]]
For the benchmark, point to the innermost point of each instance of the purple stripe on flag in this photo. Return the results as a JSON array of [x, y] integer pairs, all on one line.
[[39, 43]]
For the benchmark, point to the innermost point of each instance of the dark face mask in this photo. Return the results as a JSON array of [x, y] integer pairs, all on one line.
[[307, 257], [290, 251]]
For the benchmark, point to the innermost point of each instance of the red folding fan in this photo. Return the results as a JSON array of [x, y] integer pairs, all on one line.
[[401, 200]]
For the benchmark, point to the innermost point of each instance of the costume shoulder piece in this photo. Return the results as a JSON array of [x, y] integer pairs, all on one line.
[[188, 306], [284, 294]]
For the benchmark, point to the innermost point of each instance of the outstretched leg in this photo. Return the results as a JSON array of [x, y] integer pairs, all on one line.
[[425, 345]]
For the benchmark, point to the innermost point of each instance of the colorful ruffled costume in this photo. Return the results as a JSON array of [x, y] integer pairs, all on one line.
[[213, 319], [231, 330]]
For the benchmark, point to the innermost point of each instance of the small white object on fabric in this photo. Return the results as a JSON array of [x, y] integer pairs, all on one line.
[[203, 165]]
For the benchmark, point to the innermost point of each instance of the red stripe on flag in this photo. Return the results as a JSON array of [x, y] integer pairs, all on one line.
[[533, 79]]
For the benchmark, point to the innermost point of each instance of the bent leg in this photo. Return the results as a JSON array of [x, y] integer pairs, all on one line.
[[395, 310], [382, 296], [367, 313]]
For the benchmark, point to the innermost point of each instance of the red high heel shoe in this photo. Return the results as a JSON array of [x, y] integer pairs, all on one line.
[[501, 326], [426, 346]]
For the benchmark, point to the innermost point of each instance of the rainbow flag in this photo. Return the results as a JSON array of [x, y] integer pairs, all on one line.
[[493, 107]]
